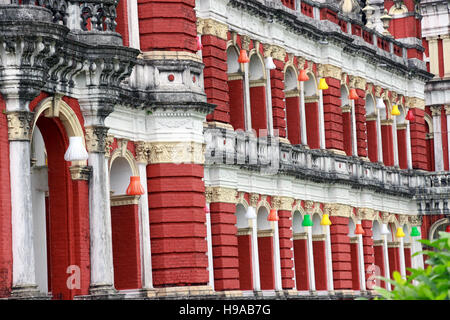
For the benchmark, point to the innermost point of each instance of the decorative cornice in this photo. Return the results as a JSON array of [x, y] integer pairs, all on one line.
[[176, 152], [19, 125], [124, 200]]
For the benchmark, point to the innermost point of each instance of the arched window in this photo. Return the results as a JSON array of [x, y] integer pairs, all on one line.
[[257, 82], [312, 112], [301, 255], [236, 90], [372, 128], [401, 138], [387, 134], [292, 95], [265, 250], [347, 121], [319, 247]]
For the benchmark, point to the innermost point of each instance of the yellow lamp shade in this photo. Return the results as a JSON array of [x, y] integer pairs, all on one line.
[[323, 84], [395, 111], [400, 233], [325, 220]]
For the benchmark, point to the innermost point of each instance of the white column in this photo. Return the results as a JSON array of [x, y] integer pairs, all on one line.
[[379, 138], [144, 231], [362, 271], [395, 141], [447, 113], [321, 122], [311, 274], [269, 104], [402, 258], [276, 256], [437, 137], [304, 136], [133, 24], [354, 136], [255, 255], [408, 144], [386, 261], [433, 55], [329, 260], [209, 244], [247, 111]]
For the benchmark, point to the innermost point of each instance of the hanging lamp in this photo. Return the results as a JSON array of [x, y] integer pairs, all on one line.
[[414, 232], [251, 213], [323, 84], [269, 63], [243, 57], [303, 76], [447, 229], [359, 229], [395, 111], [76, 150], [380, 103], [384, 229], [400, 233], [273, 216], [135, 187], [353, 95], [325, 220], [199, 44], [307, 222], [410, 115]]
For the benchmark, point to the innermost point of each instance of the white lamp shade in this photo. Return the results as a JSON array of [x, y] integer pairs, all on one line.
[[380, 104], [269, 63], [384, 229], [76, 150], [251, 213]]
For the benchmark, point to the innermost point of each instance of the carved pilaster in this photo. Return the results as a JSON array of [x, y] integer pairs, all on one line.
[[108, 145], [212, 27], [329, 71], [309, 207], [301, 63], [96, 138], [278, 53], [245, 42], [19, 125], [415, 221], [142, 150], [177, 152]]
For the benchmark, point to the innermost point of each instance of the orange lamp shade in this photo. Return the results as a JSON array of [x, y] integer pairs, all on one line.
[[303, 76], [353, 95], [273, 216], [243, 57], [359, 229], [135, 188]]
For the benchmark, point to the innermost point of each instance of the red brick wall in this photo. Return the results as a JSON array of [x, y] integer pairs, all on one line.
[[402, 150], [360, 117], [215, 77], [334, 131], [167, 25], [177, 224], [237, 112], [355, 266], [388, 146], [5, 208], [369, 258], [122, 21], [266, 265], [419, 150], [372, 145], [258, 109], [320, 265], [444, 138], [278, 105], [347, 131], [293, 119], [245, 262], [312, 124], [224, 246], [301, 264], [286, 254], [379, 262], [126, 247], [340, 253]]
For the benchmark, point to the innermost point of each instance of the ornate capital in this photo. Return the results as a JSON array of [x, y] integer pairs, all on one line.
[[282, 203], [96, 138], [176, 152], [142, 151], [213, 28], [447, 109], [301, 63], [267, 50], [221, 194], [80, 172], [435, 110], [366, 214], [108, 145], [387, 217], [415, 220], [329, 71], [378, 91], [337, 210], [278, 53], [253, 199], [245, 42], [309, 207], [403, 219], [19, 125]]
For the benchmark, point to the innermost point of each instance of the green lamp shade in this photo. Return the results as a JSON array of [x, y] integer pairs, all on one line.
[[307, 222], [415, 232]]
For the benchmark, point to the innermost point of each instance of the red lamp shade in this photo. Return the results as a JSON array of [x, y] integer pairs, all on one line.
[[273, 216], [409, 115], [135, 187], [199, 44], [353, 95], [447, 229], [303, 76], [359, 229], [243, 58]]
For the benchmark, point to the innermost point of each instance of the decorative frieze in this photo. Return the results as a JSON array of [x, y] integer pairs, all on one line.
[[282, 203], [124, 200], [254, 199], [212, 27], [245, 42], [329, 71], [366, 214], [108, 145], [19, 125], [96, 138], [278, 53], [415, 220], [337, 210], [221, 194], [435, 110], [177, 152]]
